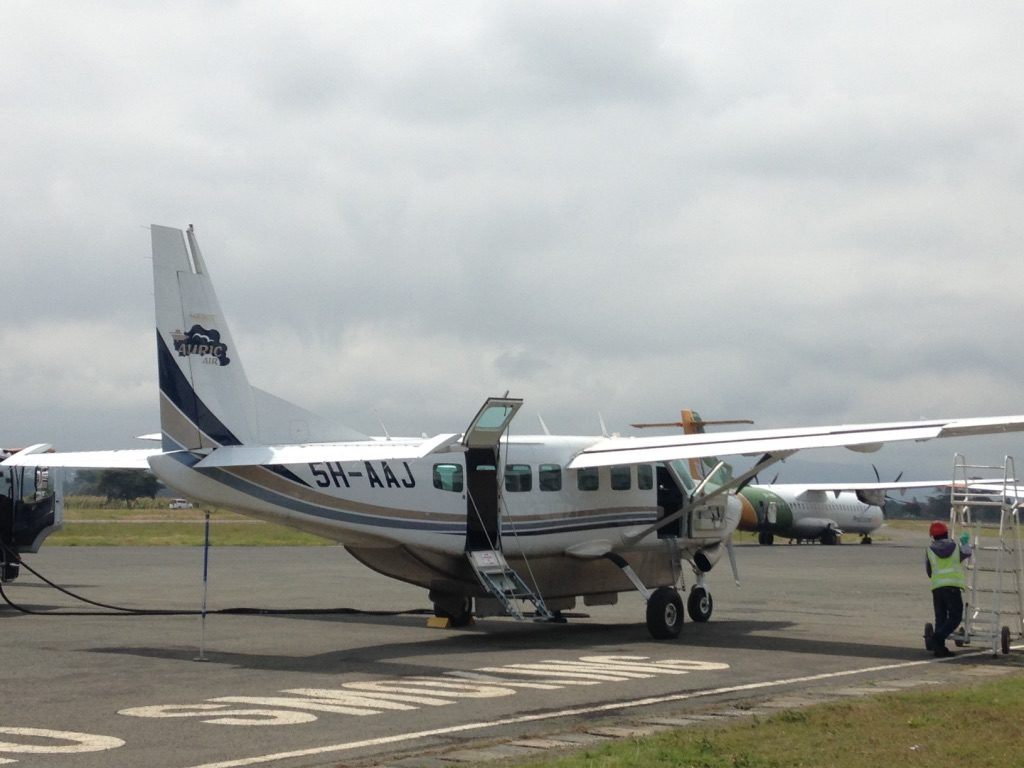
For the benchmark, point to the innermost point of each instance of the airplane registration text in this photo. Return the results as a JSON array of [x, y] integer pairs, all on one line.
[[331, 473]]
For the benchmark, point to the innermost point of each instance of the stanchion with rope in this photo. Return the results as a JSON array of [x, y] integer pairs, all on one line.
[[206, 582]]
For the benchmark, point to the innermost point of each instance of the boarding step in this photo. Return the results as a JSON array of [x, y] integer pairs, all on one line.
[[995, 570], [503, 583]]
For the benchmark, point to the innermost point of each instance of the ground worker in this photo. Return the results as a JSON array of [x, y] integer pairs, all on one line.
[[947, 574]]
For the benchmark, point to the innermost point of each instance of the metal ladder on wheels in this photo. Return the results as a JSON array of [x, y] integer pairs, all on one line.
[[989, 513]]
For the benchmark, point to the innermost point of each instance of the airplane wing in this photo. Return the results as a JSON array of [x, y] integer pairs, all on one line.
[[859, 437], [840, 487]]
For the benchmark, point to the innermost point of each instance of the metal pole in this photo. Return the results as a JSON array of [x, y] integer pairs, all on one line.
[[206, 574]]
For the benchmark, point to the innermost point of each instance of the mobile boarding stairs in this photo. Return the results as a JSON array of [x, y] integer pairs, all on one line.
[[989, 512]]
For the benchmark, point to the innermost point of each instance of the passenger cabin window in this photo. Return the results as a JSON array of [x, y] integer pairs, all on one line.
[[518, 477], [621, 478], [448, 477], [644, 477], [550, 476], [586, 479]]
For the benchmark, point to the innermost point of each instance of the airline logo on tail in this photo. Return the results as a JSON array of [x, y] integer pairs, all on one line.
[[202, 342]]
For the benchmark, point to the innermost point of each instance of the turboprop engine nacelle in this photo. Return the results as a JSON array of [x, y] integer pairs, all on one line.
[[871, 498], [716, 518], [706, 558]]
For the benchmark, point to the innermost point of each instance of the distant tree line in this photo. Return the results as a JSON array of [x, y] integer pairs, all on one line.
[[934, 507], [125, 485]]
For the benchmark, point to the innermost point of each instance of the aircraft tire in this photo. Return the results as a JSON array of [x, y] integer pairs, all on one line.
[[664, 614], [765, 538], [929, 634], [699, 604], [829, 538], [1004, 640]]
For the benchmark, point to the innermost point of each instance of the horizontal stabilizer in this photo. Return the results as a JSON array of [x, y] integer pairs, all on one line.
[[136, 458], [363, 450]]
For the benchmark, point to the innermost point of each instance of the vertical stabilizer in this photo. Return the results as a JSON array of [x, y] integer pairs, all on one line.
[[205, 398]]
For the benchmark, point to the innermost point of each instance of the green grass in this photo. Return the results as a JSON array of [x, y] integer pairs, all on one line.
[[977, 726], [91, 521]]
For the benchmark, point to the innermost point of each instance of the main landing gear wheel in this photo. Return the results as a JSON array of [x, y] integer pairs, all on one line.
[[664, 614], [699, 604], [829, 537], [929, 637], [1004, 640], [765, 538]]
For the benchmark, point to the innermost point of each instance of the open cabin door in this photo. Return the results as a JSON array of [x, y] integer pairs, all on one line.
[[481, 440]]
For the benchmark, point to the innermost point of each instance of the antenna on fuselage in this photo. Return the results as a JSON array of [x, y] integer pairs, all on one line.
[[382, 425]]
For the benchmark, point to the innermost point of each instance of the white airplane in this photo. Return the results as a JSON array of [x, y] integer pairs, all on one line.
[[487, 522]]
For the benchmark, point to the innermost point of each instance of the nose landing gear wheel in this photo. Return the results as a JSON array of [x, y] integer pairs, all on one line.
[[699, 604], [664, 614]]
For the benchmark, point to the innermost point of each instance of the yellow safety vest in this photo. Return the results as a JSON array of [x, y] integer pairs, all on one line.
[[946, 571]]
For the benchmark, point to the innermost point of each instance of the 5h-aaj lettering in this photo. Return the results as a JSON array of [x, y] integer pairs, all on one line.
[[328, 473]]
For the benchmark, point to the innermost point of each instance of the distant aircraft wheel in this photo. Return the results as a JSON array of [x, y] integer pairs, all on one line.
[[1004, 640], [459, 613], [664, 614], [829, 537], [866, 540], [765, 538], [699, 604], [929, 636]]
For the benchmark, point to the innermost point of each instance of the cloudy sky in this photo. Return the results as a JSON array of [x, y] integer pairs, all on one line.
[[799, 213]]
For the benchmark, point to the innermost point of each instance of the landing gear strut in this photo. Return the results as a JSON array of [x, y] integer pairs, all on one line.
[[665, 606]]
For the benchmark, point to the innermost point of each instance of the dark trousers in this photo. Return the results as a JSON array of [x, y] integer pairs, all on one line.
[[949, 612]]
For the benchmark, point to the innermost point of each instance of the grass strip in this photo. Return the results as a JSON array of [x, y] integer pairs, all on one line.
[[94, 522], [977, 725]]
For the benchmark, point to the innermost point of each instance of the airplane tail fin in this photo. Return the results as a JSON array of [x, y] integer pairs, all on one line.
[[205, 397], [693, 424], [206, 400]]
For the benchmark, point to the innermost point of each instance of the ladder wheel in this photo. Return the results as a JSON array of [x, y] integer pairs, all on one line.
[[665, 614], [929, 637], [1004, 640]]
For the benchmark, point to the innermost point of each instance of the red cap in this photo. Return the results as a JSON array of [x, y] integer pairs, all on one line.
[[938, 528]]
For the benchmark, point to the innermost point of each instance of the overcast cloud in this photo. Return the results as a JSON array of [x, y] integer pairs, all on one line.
[[798, 213]]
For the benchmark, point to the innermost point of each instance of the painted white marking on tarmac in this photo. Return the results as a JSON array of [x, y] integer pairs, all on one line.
[[375, 696], [572, 712], [66, 742]]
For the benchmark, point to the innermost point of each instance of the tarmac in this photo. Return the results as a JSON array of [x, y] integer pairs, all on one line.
[[331, 664]]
